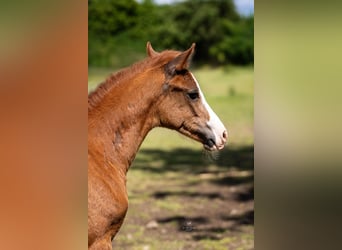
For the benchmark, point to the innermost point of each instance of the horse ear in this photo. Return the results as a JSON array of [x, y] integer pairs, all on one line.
[[182, 61], [150, 51]]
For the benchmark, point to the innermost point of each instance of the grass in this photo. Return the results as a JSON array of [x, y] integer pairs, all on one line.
[[172, 180]]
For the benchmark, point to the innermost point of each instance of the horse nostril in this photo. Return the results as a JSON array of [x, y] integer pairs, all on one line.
[[225, 134], [210, 142]]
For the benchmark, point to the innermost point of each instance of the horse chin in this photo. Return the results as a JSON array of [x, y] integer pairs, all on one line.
[[212, 148], [202, 136]]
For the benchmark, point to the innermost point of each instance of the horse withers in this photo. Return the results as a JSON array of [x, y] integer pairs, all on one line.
[[159, 91]]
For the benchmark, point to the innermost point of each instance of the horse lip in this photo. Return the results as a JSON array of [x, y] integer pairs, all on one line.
[[208, 141], [208, 148], [212, 146]]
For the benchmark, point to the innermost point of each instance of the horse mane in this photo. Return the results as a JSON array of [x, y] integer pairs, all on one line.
[[95, 96]]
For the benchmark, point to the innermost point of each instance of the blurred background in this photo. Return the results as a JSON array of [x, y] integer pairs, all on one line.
[[43, 77], [180, 196]]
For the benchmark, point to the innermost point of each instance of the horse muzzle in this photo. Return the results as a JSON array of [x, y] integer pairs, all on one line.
[[212, 141]]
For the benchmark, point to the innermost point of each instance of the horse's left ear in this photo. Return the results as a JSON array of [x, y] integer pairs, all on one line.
[[150, 51], [182, 61]]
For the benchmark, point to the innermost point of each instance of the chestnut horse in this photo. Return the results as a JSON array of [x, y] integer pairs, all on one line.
[[158, 91]]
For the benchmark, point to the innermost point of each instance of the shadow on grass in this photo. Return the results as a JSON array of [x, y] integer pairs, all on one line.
[[243, 196], [193, 161], [246, 218], [165, 194], [233, 167], [201, 228], [246, 195]]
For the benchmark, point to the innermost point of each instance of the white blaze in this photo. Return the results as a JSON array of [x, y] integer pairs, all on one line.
[[214, 122]]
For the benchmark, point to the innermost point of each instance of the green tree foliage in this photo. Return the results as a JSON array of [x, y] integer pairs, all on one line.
[[119, 29], [237, 44], [111, 17]]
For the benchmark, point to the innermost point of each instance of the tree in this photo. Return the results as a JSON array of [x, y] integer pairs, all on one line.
[[212, 25], [119, 30], [111, 17]]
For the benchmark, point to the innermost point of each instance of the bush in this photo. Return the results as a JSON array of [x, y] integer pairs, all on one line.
[[119, 30]]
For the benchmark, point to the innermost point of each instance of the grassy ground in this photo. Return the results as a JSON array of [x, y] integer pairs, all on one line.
[[183, 198]]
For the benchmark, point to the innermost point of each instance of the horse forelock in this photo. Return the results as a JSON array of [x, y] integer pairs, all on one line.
[[123, 75]]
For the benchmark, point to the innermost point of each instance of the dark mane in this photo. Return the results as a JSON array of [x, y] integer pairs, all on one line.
[[95, 96]]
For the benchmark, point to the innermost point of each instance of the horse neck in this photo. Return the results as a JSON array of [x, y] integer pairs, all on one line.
[[119, 123]]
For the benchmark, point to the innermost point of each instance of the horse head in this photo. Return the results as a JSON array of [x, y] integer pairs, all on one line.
[[183, 106]]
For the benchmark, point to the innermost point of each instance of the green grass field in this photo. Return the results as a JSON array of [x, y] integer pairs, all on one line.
[[172, 182]]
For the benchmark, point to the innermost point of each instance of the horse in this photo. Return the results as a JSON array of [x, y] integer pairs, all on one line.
[[159, 91]]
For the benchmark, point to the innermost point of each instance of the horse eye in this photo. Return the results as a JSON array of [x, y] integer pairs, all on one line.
[[193, 95]]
